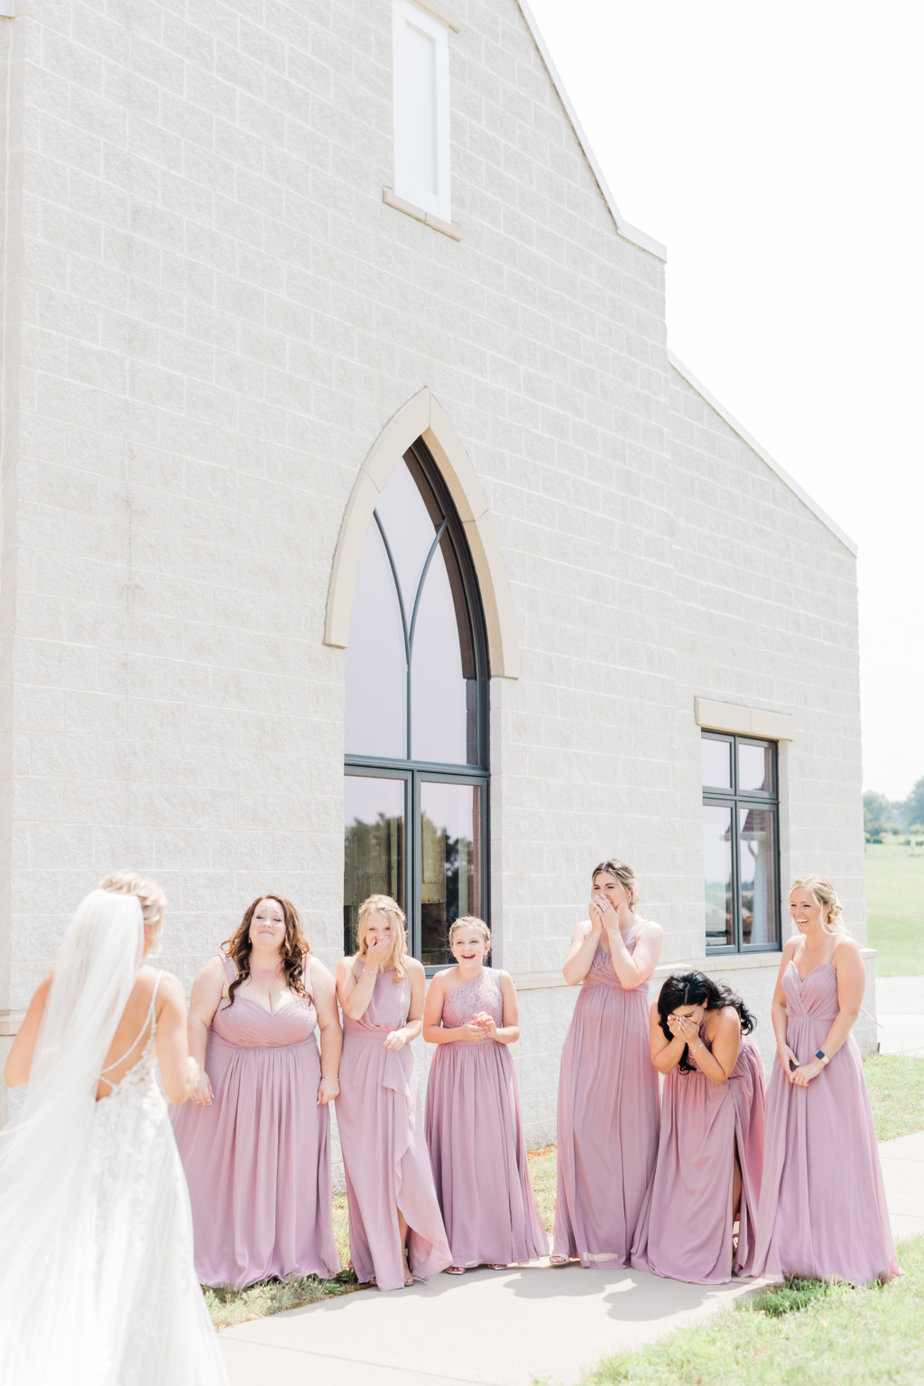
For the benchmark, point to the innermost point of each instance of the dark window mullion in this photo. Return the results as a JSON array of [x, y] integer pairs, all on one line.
[[414, 865]]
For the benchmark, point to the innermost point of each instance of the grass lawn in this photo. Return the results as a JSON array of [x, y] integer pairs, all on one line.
[[803, 1334], [895, 908]]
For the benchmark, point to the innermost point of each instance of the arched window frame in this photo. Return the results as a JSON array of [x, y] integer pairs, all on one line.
[[417, 773]]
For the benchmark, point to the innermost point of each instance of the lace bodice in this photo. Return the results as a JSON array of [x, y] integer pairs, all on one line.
[[482, 993]]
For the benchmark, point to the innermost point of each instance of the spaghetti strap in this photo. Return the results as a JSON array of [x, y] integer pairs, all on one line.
[[148, 1021]]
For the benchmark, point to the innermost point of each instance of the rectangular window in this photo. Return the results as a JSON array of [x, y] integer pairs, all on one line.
[[421, 108], [741, 843]]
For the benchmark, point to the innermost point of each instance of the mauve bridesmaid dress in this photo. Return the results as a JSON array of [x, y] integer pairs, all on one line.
[[476, 1142], [822, 1212], [258, 1160], [702, 1126], [607, 1119], [385, 1157]]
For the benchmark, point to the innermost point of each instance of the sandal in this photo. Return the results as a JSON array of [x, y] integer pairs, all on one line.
[[455, 1270], [556, 1260], [498, 1265]]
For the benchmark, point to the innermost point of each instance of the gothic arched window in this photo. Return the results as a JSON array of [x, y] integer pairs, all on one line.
[[416, 722]]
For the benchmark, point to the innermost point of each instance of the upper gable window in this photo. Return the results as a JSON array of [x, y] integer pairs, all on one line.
[[421, 108]]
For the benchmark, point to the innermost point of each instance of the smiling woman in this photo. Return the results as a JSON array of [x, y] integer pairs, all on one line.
[[822, 1209], [396, 1231], [255, 1145]]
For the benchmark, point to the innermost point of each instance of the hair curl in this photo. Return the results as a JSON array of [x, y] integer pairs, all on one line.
[[624, 875], [470, 921], [153, 902], [825, 896], [294, 947], [384, 904], [696, 989]]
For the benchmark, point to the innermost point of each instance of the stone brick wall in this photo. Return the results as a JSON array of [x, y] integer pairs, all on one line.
[[217, 314]]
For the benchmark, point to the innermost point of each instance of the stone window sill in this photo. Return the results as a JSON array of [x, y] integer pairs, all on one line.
[[447, 228]]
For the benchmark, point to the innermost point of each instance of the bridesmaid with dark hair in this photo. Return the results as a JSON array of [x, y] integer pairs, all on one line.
[[608, 1090], [712, 1134], [254, 1140]]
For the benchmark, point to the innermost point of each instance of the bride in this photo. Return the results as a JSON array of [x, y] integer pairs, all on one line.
[[96, 1268]]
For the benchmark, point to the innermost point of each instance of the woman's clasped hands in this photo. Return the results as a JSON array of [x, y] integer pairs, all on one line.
[[482, 1026]]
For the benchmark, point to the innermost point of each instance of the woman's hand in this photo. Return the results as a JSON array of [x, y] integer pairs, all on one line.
[[595, 913], [377, 952], [788, 1060], [202, 1093], [328, 1089], [804, 1073], [486, 1023], [684, 1027], [395, 1039]]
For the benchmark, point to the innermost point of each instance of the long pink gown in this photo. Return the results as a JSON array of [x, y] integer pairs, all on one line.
[[476, 1142], [258, 1160], [703, 1125], [385, 1157], [607, 1120], [822, 1212]]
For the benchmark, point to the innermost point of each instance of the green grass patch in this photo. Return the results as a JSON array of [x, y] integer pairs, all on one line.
[[895, 908], [229, 1306], [542, 1172], [896, 1092], [805, 1334]]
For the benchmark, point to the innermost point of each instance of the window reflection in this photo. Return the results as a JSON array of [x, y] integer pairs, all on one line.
[[450, 818], [717, 833], [716, 763], [375, 719], [409, 527], [442, 699], [374, 819], [757, 875], [755, 768], [411, 638]]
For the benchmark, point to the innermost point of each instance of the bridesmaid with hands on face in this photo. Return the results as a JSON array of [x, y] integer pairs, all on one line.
[[608, 1090], [396, 1231], [712, 1134]]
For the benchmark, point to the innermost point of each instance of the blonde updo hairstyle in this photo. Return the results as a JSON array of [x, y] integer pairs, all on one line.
[[624, 875], [470, 921], [384, 904], [824, 894], [150, 896]]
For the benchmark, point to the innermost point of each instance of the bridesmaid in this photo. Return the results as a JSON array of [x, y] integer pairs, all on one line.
[[822, 1208], [396, 1231], [608, 1090], [255, 1140], [712, 1133], [476, 1142]]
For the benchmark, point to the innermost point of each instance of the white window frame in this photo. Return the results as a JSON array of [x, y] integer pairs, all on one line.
[[407, 13]]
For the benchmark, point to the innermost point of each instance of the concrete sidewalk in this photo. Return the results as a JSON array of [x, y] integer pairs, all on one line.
[[505, 1328], [900, 1008], [508, 1328]]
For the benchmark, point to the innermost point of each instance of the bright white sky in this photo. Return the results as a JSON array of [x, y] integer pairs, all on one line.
[[776, 150]]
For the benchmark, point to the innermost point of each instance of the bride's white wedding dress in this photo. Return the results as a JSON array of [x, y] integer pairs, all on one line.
[[96, 1277]]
